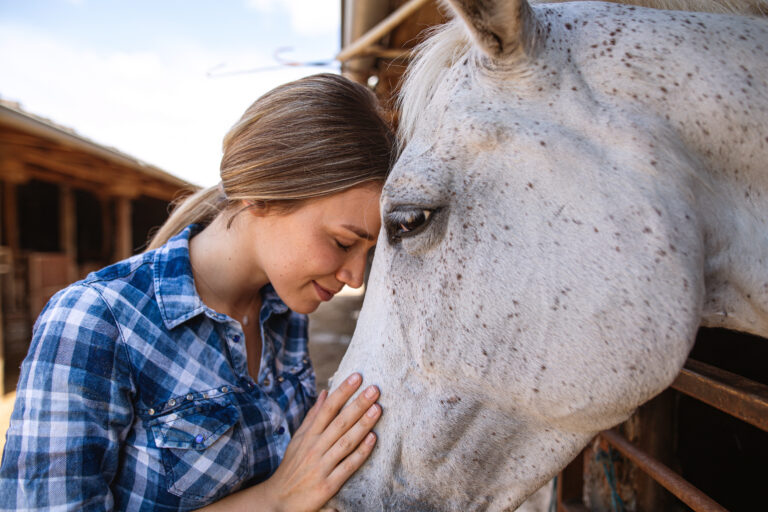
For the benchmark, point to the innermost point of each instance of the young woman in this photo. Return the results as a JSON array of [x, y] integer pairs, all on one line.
[[180, 376]]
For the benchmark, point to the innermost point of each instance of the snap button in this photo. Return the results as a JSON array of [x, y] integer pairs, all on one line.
[[151, 412], [199, 438], [280, 379], [224, 389], [171, 402], [305, 361], [281, 431], [236, 338], [266, 382], [190, 396]]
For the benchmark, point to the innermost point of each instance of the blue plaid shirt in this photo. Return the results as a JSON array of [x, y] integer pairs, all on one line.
[[136, 396]]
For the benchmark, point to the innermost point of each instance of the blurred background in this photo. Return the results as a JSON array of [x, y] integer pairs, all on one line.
[[109, 110]]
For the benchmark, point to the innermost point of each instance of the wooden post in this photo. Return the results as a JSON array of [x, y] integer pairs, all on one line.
[[68, 230], [124, 231], [2, 323], [380, 30], [10, 217], [570, 482], [107, 231]]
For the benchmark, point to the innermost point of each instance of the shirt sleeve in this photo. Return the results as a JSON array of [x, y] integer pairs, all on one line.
[[73, 409]]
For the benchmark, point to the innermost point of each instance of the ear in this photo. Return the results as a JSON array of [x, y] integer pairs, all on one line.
[[501, 28]]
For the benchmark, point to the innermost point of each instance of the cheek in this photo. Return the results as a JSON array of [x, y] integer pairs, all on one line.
[[325, 261]]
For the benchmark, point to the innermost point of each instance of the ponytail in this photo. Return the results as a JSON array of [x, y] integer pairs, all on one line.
[[199, 207], [316, 136]]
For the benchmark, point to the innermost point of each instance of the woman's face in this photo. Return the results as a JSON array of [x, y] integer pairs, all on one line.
[[310, 253]]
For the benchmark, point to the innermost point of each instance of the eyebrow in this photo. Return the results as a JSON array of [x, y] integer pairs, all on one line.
[[359, 232]]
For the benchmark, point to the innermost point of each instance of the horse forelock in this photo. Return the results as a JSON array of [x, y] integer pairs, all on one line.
[[431, 62]]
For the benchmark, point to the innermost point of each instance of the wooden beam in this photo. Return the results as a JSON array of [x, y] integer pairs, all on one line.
[[570, 482], [68, 229], [47, 160], [3, 270], [735, 395], [384, 52], [13, 168], [20, 122], [107, 229], [674, 483], [124, 231], [165, 192], [11, 217], [380, 30]]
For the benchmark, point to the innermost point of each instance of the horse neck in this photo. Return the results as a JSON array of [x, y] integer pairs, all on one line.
[[714, 100], [720, 122], [732, 210], [723, 129]]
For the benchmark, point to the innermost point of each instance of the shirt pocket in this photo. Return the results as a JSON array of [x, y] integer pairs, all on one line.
[[202, 450]]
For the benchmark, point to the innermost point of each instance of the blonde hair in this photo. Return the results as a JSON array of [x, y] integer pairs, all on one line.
[[306, 139]]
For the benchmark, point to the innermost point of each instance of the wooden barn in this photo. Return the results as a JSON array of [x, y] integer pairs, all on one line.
[[700, 445], [67, 206]]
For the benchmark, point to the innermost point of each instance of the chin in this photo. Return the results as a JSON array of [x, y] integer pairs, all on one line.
[[307, 310], [303, 308]]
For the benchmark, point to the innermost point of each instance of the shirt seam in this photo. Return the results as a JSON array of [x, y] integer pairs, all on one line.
[[121, 340]]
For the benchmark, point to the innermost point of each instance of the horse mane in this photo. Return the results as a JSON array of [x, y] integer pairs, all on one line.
[[432, 59], [450, 42]]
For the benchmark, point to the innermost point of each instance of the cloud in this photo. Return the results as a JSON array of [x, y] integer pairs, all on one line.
[[308, 17], [157, 106]]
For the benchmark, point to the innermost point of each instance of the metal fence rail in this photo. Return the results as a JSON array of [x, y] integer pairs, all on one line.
[[741, 398], [674, 483], [737, 396]]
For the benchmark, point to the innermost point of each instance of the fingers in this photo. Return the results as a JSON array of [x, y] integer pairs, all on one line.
[[351, 424], [334, 402], [344, 470], [351, 438], [330, 445]]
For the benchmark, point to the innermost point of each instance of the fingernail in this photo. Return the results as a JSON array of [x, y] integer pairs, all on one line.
[[353, 379], [372, 411], [370, 438], [370, 392]]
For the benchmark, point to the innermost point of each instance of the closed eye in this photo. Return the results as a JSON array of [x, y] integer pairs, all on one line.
[[343, 247], [406, 221]]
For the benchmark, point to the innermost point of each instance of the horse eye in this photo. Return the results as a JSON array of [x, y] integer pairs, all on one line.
[[405, 222]]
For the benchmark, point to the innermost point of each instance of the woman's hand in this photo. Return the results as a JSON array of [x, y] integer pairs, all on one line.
[[326, 449]]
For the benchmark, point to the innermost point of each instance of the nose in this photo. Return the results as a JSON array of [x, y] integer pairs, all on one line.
[[352, 270]]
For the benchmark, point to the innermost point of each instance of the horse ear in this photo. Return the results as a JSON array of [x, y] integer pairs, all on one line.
[[502, 28]]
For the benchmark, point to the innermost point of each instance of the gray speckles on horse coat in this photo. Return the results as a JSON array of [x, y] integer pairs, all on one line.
[[592, 186]]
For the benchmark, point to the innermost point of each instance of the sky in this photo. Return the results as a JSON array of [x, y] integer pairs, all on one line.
[[160, 80]]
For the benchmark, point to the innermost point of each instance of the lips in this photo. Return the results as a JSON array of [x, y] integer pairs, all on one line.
[[325, 295]]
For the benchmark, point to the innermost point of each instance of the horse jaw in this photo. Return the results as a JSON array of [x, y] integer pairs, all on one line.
[[476, 450]]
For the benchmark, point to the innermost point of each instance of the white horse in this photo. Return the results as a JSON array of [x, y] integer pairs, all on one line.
[[583, 185]]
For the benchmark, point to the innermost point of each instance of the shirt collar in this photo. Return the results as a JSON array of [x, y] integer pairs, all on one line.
[[177, 296]]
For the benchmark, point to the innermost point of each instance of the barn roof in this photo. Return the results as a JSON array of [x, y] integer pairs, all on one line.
[[34, 147]]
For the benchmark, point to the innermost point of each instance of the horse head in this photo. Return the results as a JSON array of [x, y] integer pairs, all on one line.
[[549, 240]]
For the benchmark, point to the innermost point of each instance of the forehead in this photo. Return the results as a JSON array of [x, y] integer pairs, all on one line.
[[358, 205]]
